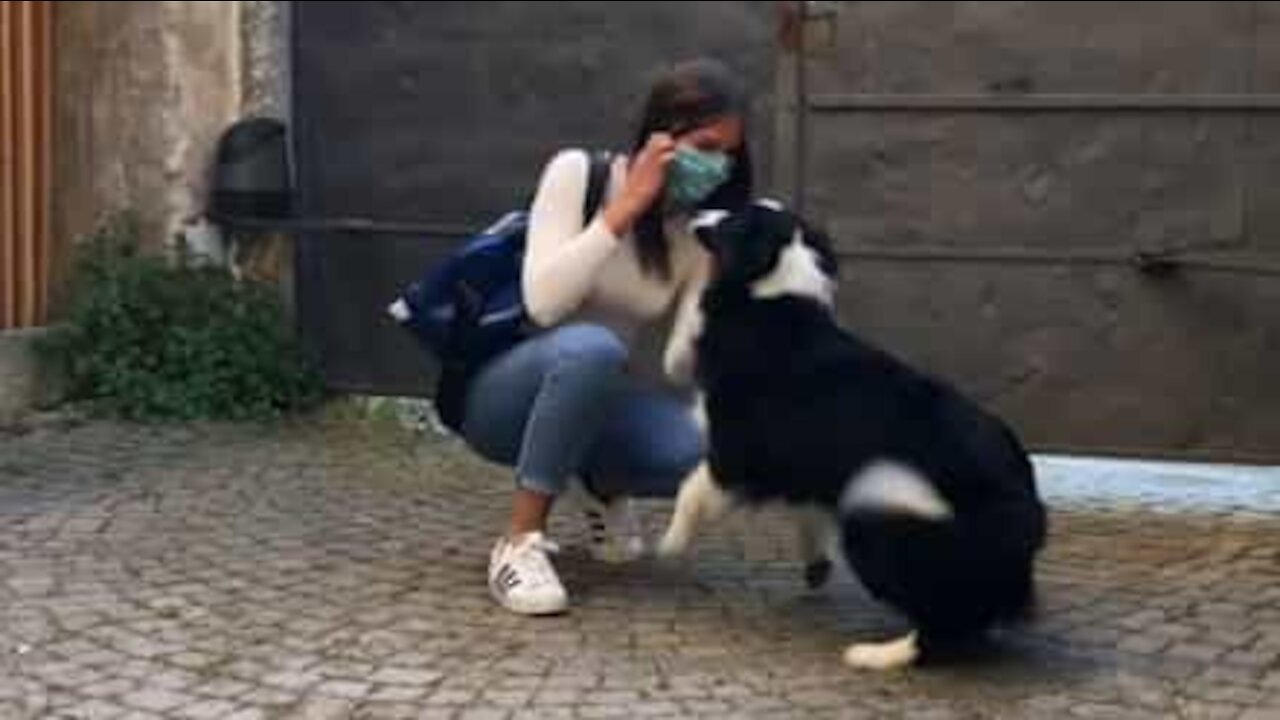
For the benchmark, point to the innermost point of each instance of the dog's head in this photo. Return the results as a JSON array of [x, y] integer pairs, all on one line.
[[767, 251]]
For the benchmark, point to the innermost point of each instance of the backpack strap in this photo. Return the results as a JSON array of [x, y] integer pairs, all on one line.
[[599, 164]]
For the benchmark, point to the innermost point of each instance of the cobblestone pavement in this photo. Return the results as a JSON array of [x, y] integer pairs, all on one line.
[[336, 570]]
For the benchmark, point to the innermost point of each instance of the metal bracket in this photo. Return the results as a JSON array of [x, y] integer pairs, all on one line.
[[808, 27]]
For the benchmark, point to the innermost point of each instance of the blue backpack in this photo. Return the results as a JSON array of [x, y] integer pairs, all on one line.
[[470, 307]]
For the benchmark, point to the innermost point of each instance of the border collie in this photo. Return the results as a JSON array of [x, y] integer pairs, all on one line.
[[934, 500]]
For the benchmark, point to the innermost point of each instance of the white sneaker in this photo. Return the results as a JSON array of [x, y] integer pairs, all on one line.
[[522, 579], [614, 531]]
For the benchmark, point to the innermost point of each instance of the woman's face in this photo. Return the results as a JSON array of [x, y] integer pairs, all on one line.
[[723, 134]]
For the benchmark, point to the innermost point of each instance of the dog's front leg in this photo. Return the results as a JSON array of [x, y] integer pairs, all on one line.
[[816, 527], [700, 500]]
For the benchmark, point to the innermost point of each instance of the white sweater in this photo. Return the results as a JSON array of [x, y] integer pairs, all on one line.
[[574, 273]]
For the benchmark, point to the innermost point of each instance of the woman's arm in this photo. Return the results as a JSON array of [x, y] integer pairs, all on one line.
[[562, 257]]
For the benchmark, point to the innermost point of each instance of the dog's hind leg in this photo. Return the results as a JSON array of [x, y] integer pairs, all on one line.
[[889, 655], [699, 501], [815, 528]]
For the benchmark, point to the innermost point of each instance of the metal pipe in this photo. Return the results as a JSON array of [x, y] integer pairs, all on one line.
[[1057, 102], [345, 225], [1152, 262], [802, 109]]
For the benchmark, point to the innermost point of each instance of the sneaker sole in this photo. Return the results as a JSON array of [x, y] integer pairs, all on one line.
[[610, 554], [532, 609]]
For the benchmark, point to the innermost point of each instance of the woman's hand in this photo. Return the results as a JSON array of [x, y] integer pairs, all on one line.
[[646, 176]]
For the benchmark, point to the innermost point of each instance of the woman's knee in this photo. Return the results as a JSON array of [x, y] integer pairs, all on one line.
[[684, 451], [586, 343], [680, 450]]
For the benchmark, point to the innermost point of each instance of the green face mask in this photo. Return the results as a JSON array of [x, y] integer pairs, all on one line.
[[693, 175]]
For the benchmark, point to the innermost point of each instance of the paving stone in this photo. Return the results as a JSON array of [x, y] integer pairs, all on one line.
[[156, 699], [336, 569]]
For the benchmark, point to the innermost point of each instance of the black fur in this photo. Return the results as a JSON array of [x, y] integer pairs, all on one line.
[[797, 407]]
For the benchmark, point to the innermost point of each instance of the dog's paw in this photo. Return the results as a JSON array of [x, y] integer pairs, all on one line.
[[817, 573], [890, 655]]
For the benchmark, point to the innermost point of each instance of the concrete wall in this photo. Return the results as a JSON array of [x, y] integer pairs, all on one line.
[[143, 89], [265, 66], [22, 384]]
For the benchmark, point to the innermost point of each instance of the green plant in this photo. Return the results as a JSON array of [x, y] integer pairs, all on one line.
[[146, 338]]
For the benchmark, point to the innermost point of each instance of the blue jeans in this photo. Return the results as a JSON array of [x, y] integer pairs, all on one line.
[[560, 405]]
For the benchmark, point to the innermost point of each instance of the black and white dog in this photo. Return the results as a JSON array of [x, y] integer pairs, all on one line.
[[934, 500]]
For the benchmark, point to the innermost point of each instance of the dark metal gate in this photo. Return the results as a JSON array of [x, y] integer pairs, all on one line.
[[1070, 209], [418, 122]]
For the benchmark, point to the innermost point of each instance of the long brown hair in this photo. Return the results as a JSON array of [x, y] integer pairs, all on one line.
[[685, 97]]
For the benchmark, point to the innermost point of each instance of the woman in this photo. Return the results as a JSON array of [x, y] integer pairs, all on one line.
[[567, 403]]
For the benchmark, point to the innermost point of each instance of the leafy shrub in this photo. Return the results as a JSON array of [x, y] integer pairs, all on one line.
[[145, 338]]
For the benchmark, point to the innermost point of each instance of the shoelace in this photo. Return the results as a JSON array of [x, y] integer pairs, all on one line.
[[531, 556]]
